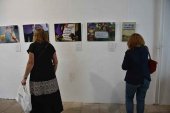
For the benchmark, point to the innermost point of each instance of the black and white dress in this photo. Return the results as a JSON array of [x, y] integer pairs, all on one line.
[[45, 93]]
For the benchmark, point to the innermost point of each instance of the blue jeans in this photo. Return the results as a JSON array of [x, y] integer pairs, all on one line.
[[140, 91]]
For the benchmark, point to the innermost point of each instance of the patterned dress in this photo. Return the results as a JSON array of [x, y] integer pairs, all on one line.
[[45, 93]]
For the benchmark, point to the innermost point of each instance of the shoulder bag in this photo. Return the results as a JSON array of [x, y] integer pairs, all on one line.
[[152, 64]]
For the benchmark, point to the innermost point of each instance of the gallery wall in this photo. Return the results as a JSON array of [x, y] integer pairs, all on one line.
[[165, 55], [87, 71]]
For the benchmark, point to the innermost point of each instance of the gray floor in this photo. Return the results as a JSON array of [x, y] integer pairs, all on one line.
[[11, 106]]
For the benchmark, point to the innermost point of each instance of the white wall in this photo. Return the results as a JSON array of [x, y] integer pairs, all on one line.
[[92, 74], [165, 55]]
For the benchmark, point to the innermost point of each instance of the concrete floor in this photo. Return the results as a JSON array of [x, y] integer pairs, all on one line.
[[11, 106]]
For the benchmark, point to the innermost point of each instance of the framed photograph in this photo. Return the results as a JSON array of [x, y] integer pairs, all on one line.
[[30, 28], [128, 28], [9, 34], [67, 32], [101, 31]]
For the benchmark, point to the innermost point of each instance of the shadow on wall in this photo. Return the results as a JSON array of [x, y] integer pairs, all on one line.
[[104, 92]]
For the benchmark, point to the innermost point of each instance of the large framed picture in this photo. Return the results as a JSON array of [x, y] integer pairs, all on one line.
[[67, 32], [30, 28], [101, 31], [9, 34]]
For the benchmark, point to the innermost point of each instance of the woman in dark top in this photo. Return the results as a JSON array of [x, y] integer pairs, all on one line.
[[42, 65], [137, 76]]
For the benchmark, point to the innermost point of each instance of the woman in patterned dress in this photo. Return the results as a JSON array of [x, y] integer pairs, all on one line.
[[42, 65]]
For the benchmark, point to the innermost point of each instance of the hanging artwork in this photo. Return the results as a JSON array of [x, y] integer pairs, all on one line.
[[67, 32], [9, 34], [128, 28], [102, 31], [30, 28]]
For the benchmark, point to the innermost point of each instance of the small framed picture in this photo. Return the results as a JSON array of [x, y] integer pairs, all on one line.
[[128, 28]]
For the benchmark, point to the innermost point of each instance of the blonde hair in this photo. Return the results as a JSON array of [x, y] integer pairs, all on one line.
[[40, 36], [135, 40]]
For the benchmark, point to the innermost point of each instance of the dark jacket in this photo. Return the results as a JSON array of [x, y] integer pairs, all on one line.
[[136, 63]]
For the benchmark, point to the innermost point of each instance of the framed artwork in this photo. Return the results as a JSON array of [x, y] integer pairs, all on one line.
[[101, 31], [67, 32], [128, 28], [9, 34], [30, 28]]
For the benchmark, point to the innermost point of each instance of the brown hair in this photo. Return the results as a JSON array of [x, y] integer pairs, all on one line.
[[135, 40], [40, 36]]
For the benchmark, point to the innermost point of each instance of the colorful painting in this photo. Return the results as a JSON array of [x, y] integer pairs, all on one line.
[[9, 34], [67, 32], [128, 28], [102, 31], [30, 28]]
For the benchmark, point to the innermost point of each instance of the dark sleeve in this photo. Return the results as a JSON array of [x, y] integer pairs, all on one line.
[[147, 49], [125, 63], [52, 49], [31, 48]]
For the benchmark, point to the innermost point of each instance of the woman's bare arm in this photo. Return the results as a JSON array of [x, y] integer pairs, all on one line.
[[29, 67]]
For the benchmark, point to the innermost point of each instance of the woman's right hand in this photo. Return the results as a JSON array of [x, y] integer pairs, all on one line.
[[23, 82]]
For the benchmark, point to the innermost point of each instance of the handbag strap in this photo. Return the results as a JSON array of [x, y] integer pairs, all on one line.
[[148, 52], [149, 55]]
